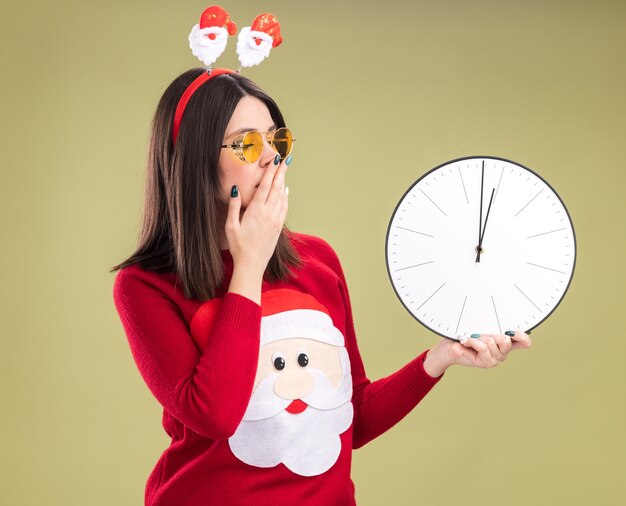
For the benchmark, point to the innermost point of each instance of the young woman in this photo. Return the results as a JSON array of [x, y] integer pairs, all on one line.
[[242, 329]]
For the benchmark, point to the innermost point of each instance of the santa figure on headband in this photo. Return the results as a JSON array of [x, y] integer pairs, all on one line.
[[208, 38], [255, 42], [301, 401]]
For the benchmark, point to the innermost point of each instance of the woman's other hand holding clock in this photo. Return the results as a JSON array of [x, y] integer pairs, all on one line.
[[485, 351]]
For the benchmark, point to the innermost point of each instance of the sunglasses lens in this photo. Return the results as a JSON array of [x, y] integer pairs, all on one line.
[[252, 146], [282, 141]]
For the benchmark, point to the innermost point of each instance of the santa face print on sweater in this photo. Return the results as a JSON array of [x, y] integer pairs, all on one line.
[[301, 401]]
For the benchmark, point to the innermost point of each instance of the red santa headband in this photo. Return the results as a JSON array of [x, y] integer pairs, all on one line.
[[207, 41]]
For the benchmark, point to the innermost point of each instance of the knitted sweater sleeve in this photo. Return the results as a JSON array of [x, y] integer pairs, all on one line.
[[208, 390], [380, 404]]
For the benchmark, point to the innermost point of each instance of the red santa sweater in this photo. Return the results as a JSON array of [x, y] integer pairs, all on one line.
[[200, 361]]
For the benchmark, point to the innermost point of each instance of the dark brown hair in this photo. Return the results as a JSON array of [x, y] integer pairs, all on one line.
[[180, 232]]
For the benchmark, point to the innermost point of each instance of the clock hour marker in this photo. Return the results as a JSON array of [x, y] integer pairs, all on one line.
[[529, 202], [547, 268], [416, 265], [459, 322], [498, 187], [433, 202], [496, 311], [544, 233], [527, 297], [431, 296], [414, 231], [463, 183]]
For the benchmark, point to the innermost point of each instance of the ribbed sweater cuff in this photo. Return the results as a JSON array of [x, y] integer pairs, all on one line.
[[241, 313], [416, 380]]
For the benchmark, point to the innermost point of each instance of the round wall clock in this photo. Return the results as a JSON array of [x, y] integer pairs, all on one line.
[[480, 245]]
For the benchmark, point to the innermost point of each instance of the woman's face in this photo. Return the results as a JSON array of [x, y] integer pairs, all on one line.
[[250, 114]]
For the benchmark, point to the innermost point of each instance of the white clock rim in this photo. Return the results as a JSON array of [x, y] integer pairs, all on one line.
[[474, 157]]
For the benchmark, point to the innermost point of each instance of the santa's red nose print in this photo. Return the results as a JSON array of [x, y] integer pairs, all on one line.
[[301, 399]]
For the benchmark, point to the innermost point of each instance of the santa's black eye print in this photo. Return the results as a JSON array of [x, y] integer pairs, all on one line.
[[279, 362], [303, 359]]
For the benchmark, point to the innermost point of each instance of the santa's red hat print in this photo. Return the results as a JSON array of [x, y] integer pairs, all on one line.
[[301, 401], [255, 42]]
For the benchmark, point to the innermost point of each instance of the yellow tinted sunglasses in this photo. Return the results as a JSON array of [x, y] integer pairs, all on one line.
[[248, 146]]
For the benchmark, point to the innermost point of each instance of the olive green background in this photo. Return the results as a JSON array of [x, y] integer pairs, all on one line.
[[377, 94]]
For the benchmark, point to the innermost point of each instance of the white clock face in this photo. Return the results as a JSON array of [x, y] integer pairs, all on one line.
[[523, 267]]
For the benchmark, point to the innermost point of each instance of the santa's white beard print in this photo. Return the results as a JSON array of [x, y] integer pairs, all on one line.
[[306, 442]]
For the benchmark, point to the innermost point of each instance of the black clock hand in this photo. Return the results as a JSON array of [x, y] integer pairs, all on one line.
[[480, 242], [480, 217]]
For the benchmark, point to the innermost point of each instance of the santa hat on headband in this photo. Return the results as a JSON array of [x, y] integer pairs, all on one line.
[[208, 38], [254, 42], [217, 16], [287, 313]]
